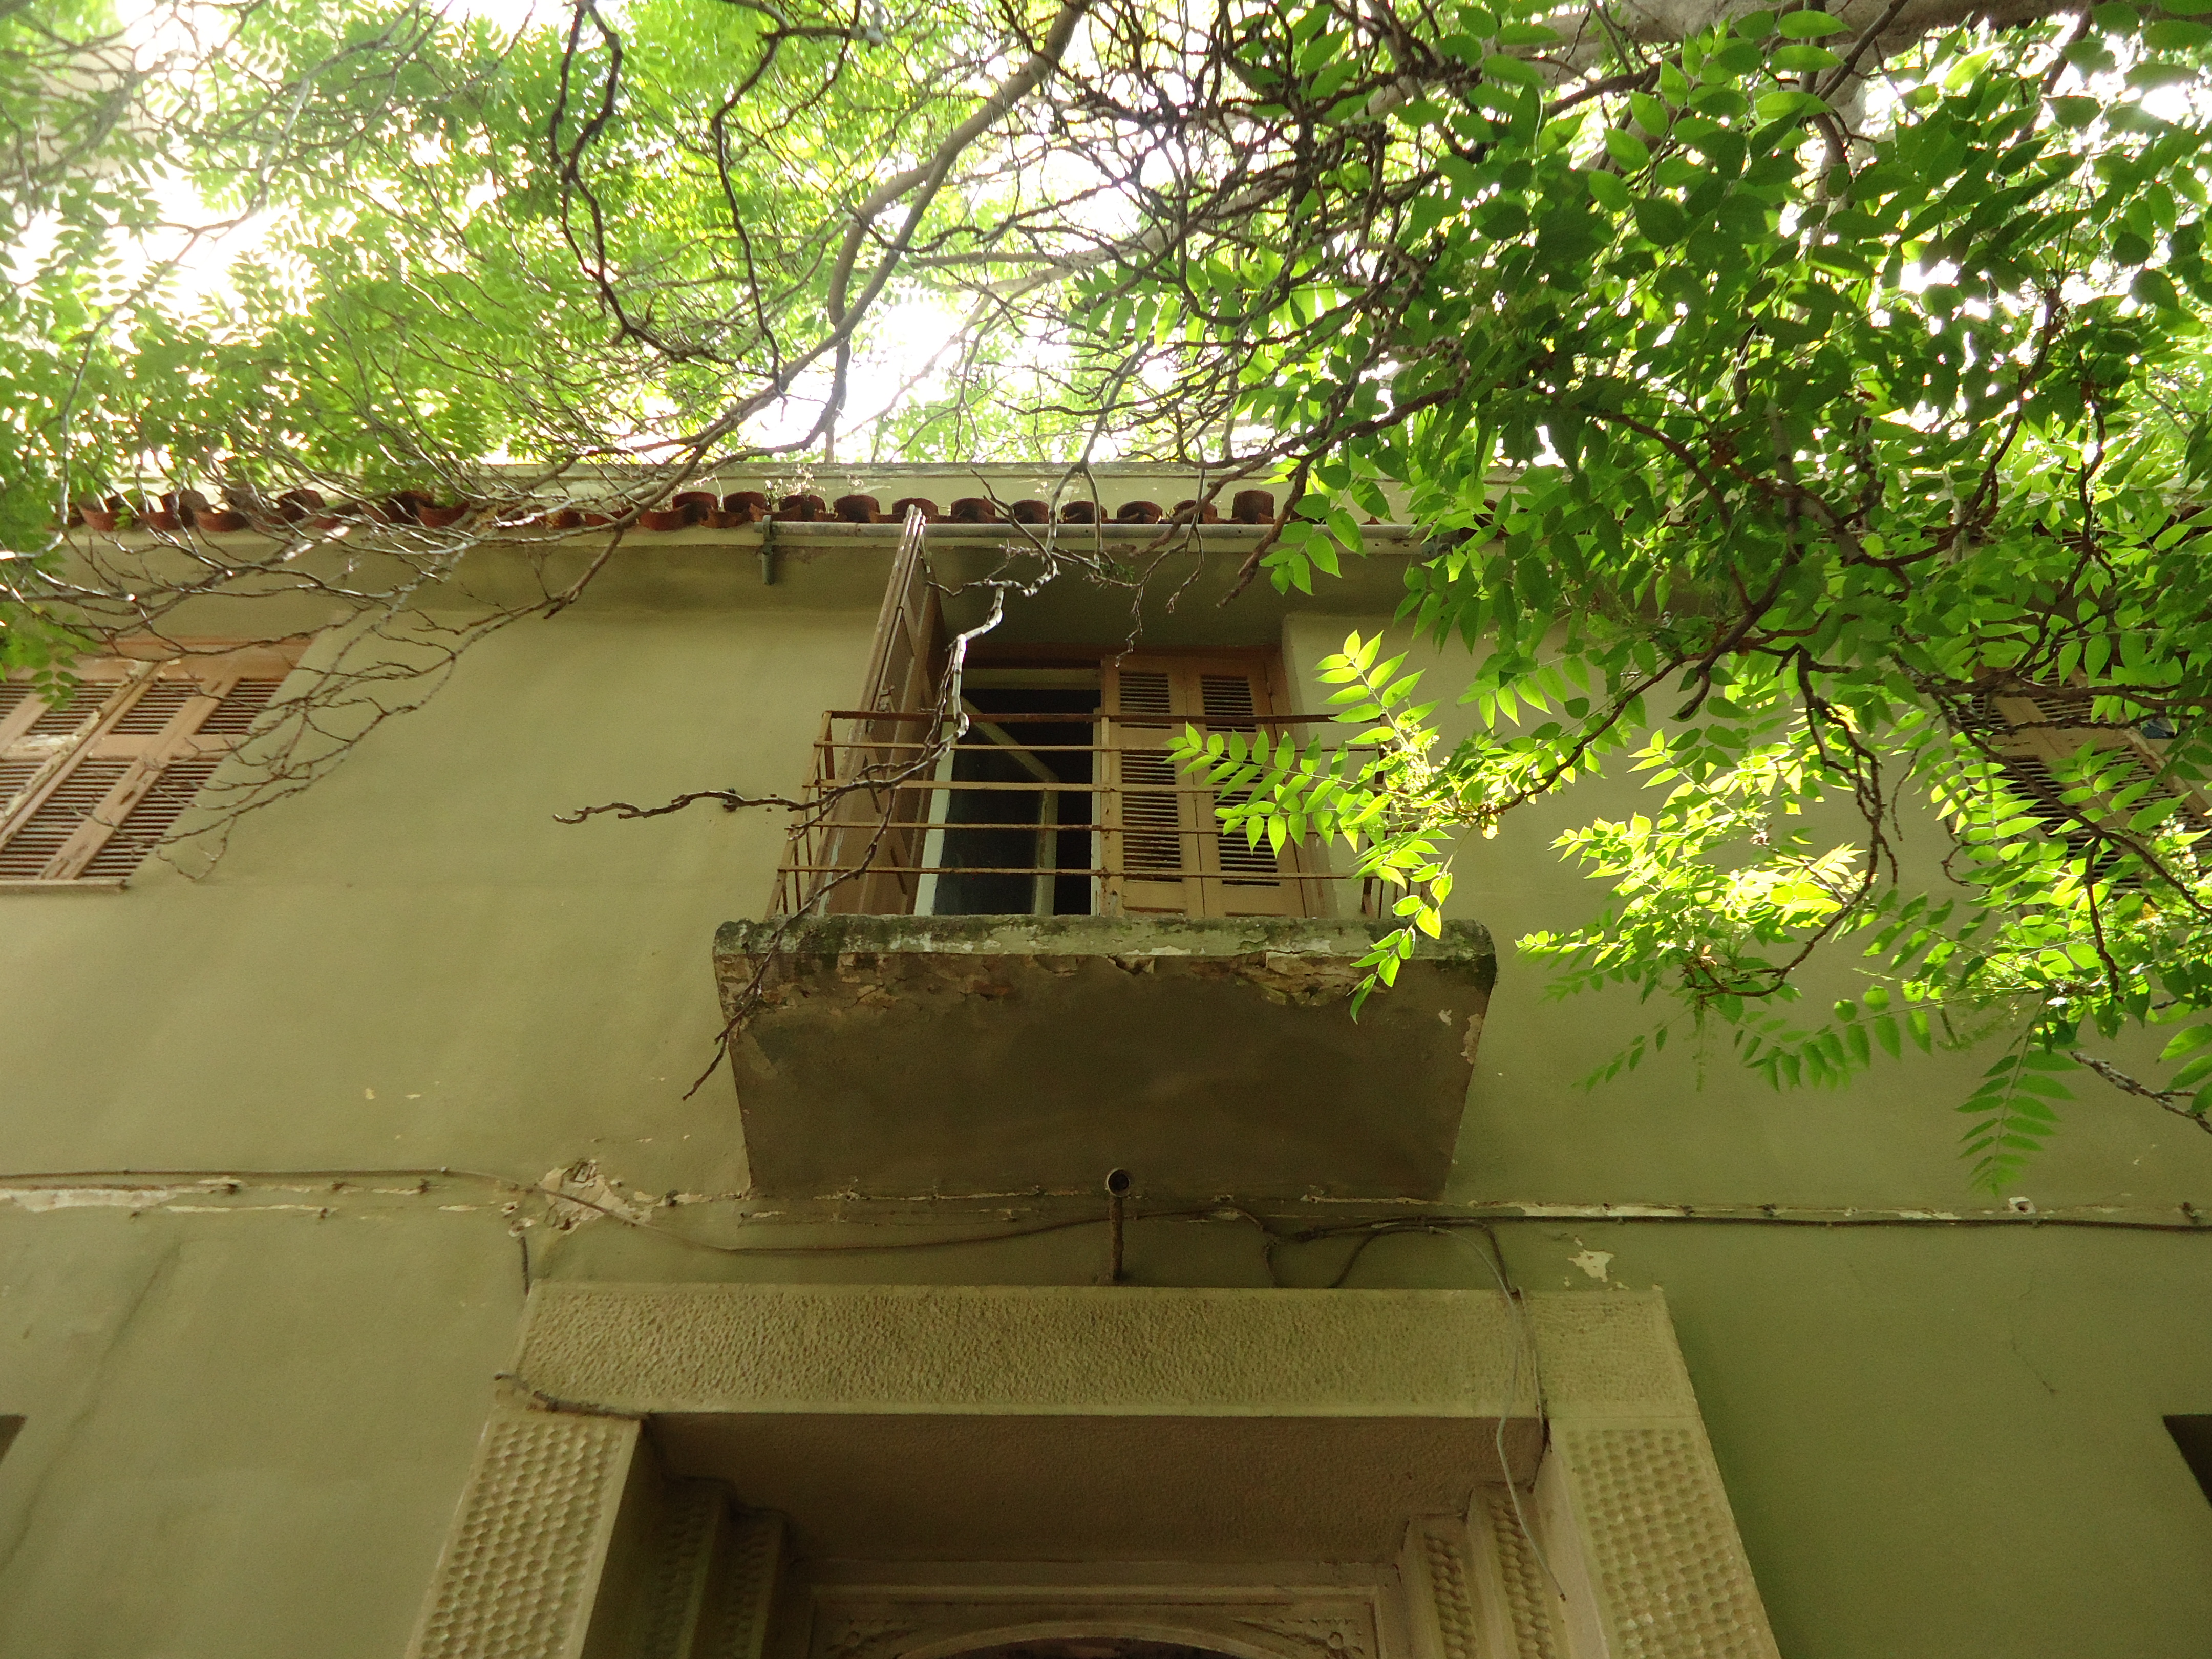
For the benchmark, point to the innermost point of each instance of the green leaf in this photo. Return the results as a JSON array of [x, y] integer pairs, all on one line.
[[1609, 191], [2173, 34], [1810, 24], [2156, 289], [1799, 59], [1660, 220], [1626, 149], [2186, 1042]]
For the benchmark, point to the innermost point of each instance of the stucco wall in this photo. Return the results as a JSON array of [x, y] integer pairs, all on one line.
[[412, 963], [248, 1418], [244, 1434], [1937, 1444]]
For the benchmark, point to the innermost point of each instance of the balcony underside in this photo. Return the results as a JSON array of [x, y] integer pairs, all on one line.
[[913, 1055]]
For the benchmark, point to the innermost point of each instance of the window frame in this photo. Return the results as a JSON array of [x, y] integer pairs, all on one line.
[[171, 752], [2030, 737]]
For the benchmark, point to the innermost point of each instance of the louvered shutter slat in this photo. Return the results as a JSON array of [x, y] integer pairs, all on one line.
[[1243, 880], [70, 803], [1226, 701], [1152, 823], [235, 713], [93, 807], [147, 822], [1150, 845], [160, 704], [1150, 807], [2041, 757], [59, 718], [14, 775], [1144, 691]]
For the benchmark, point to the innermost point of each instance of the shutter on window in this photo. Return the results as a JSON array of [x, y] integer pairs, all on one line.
[[1165, 850], [902, 663], [90, 784], [2032, 739], [903, 668]]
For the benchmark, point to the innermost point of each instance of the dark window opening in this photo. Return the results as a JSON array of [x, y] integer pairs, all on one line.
[[1021, 843], [2193, 1436]]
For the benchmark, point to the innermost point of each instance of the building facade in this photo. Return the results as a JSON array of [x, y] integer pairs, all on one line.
[[1051, 1267]]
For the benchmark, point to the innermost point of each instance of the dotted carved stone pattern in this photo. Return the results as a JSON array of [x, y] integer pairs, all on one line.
[[518, 1574], [1444, 1554], [690, 1526], [756, 1556], [1664, 1546], [1528, 1592]]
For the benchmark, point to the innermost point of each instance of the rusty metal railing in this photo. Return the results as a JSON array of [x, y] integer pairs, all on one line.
[[877, 834]]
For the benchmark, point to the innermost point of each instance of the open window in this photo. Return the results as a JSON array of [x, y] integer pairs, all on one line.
[[92, 779], [1059, 797], [1013, 818], [1045, 786], [2037, 740]]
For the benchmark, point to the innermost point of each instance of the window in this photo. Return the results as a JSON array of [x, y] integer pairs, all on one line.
[[2035, 742], [1012, 825], [91, 781], [2192, 1438], [1164, 848], [1060, 799]]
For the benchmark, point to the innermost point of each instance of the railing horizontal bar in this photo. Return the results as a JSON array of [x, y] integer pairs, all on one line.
[[1048, 870], [1029, 825], [998, 749], [963, 786], [1073, 718]]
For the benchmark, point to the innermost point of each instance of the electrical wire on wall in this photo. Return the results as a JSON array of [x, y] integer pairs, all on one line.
[[118, 1188]]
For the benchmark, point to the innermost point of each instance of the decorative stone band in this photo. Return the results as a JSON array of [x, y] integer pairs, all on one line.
[[571, 1541], [1666, 1568], [522, 1567]]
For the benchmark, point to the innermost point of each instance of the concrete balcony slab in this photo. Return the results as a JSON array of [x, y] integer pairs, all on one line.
[[910, 1056]]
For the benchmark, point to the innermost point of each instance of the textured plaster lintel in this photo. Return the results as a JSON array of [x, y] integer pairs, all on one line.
[[1207, 1056], [1609, 1355], [1106, 1351]]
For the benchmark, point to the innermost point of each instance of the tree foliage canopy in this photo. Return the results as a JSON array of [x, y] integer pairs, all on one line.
[[1806, 406]]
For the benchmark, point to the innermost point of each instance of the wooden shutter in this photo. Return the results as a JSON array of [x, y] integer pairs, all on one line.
[[91, 783], [2032, 741], [904, 666], [1165, 849], [905, 660]]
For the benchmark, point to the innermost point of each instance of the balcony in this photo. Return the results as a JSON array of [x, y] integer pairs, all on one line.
[[895, 1056], [1038, 813]]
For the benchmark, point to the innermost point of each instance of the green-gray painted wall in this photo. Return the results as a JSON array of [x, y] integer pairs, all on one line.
[[248, 1415]]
